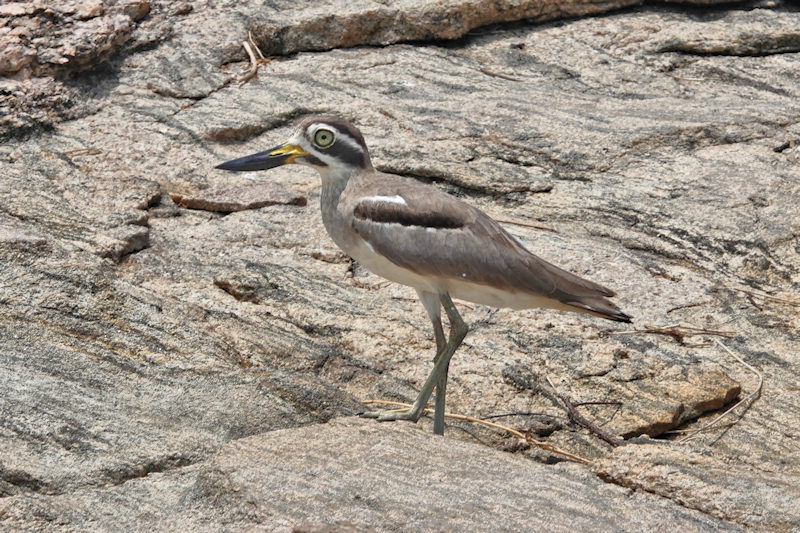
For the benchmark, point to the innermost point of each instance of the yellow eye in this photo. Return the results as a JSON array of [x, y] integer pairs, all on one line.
[[323, 138]]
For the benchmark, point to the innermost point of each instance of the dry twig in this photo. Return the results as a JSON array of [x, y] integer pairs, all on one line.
[[581, 420], [676, 331], [750, 399], [82, 151], [525, 224], [497, 75], [752, 301], [686, 306], [597, 402], [375, 287], [523, 436]]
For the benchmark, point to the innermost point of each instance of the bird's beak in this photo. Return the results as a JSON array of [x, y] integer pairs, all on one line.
[[284, 154]]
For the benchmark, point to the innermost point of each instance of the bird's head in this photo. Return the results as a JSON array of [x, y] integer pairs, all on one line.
[[333, 146]]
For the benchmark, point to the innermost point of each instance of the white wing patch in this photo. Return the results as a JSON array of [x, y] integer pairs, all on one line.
[[519, 241], [396, 199]]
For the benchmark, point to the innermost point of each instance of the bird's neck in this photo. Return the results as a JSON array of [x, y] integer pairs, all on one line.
[[334, 181], [333, 184]]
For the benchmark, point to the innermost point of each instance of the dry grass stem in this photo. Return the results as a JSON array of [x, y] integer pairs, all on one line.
[[749, 400], [249, 47], [527, 438], [765, 296], [252, 41], [520, 413]]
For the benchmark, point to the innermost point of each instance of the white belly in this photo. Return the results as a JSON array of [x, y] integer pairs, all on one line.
[[381, 266], [462, 290]]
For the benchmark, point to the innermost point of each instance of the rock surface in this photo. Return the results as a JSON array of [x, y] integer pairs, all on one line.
[[745, 495], [357, 474], [228, 199], [191, 347]]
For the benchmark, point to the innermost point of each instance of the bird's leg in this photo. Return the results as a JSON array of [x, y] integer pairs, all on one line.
[[458, 330], [434, 308], [430, 300], [441, 385]]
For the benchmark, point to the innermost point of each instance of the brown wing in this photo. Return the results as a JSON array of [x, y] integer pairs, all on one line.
[[420, 228]]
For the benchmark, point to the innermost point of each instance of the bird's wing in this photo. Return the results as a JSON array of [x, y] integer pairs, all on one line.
[[420, 228]]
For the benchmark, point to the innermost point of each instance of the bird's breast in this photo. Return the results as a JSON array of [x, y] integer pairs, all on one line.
[[338, 224], [339, 228]]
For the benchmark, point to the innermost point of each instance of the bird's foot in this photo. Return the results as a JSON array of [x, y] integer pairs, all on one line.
[[390, 415]]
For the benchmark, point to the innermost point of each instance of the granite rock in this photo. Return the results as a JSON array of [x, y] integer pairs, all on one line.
[[355, 475]]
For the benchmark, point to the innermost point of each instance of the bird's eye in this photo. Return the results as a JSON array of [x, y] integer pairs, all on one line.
[[323, 138]]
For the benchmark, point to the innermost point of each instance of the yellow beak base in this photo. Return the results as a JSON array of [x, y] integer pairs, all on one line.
[[284, 154]]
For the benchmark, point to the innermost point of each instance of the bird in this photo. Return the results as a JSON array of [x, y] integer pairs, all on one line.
[[412, 233]]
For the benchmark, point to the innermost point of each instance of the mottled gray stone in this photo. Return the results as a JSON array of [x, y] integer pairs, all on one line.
[[356, 475], [742, 36], [231, 198], [748, 496], [44, 38], [121, 241], [284, 27], [655, 396]]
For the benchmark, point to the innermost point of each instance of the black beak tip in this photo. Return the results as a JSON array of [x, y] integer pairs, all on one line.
[[260, 161], [225, 166]]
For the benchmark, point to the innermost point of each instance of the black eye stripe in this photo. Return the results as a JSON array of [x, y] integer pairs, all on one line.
[[342, 145]]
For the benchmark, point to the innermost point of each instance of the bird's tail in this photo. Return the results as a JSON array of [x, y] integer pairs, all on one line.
[[599, 306], [582, 295]]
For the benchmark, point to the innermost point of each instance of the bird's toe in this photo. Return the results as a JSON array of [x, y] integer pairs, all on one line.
[[390, 415]]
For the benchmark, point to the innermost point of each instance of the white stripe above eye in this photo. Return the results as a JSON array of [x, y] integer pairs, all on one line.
[[396, 199]]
